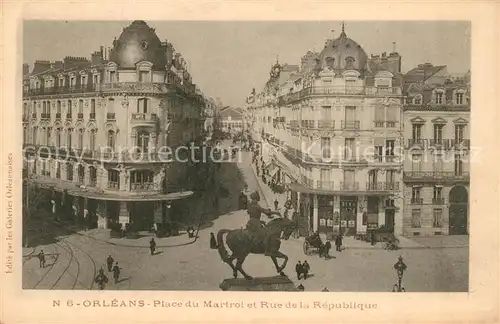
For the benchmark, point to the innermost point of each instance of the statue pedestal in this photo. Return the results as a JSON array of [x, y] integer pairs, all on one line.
[[277, 283]]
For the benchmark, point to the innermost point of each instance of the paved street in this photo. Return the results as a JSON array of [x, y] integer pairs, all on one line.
[[182, 264]]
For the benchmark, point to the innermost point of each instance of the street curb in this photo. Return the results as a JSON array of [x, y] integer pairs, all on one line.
[[129, 245]]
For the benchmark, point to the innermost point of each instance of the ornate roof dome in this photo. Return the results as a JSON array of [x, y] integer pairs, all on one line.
[[343, 53], [138, 42]]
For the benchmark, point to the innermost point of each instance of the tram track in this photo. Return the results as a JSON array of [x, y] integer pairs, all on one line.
[[56, 258], [61, 275], [91, 259]]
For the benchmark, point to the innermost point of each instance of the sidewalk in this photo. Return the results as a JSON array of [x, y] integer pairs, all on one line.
[[269, 196], [351, 243]]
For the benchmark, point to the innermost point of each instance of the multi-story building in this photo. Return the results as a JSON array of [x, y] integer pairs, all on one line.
[[334, 124], [231, 120], [98, 130], [437, 145]]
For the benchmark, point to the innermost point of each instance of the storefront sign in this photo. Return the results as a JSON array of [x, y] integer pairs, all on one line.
[[322, 222], [343, 223], [351, 223], [329, 222], [372, 226]]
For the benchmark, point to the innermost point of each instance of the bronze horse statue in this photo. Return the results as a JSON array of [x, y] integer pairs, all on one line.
[[241, 244]]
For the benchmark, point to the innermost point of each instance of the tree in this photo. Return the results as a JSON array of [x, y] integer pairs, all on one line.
[[35, 201]]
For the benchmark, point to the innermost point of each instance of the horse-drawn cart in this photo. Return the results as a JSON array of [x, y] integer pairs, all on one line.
[[312, 244]]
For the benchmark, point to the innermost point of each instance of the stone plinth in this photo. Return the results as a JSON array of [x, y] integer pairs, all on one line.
[[277, 283]]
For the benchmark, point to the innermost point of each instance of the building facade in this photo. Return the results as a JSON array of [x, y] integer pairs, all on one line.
[[331, 127], [437, 151], [231, 120], [96, 131]]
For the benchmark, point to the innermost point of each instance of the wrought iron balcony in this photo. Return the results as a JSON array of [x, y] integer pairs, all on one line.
[[58, 116], [379, 123], [350, 124], [45, 116], [415, 142], [142, 186], [438, 201], [349, 186], [92, 182], [325, 123], [69, 116], [382, 186], [448, 176], [113, 185], [92, 116], [325, 185], [417, 201], [33, 115], [144, 117], [391, 124], [80, 116], [110, 116]]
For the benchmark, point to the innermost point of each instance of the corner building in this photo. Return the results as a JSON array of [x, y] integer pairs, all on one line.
[[331, 127], [93, 129]]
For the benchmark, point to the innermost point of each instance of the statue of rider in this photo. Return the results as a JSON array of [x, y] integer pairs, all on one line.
[[255, 226]]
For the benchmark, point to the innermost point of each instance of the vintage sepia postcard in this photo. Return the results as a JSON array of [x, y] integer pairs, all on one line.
[[249, 162]]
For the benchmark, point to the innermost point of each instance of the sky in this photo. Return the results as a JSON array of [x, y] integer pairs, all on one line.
[[228, 58]]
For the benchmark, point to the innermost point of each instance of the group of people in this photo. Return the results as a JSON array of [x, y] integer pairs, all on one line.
[[302, 270], [324, 248]]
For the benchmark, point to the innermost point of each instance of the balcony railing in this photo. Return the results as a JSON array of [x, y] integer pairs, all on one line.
[[382, 186], [45, 116], [379, 124], [391, 124], [350, 124], [92, 116], [308, 123], [436, 175], [62, 89], [140, 186], [58, 116], [25, 118], [33, 115], [330, 124], [110, 116], [325, 185], [294, 123], [349, 186], [417, 201], [80, 116], [69, 116], [415, 142], [144, 116], [113, 185], [308, 182], [92, 182], [438, 201]]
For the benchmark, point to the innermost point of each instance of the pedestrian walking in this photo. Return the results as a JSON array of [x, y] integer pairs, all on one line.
[[152, 246], [109, 262], [213, 241], [299, 270], [338, 243], [306, 268], [325, 289], [326, 249], [276, 204], [155, 230], [301, 287], [41, 258], [373, 238], [116, 272]]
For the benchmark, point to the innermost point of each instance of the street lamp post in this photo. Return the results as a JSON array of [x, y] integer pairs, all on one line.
[[400, 268]]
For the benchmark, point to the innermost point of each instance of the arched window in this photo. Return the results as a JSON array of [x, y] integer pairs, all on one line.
[[113, 179], [92, 108], [143, 141], [69, 139], [141, 180], [92, 176], [58, 107], [81, 173], [58, 137], [111, 139], [142, 105], [80, 106], [69, 171], [70, 109], [80, 139], [92, 140], [349, 62], [330, 62], [35, 142]]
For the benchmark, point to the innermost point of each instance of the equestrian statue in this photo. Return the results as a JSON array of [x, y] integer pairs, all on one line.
[[257, 238]]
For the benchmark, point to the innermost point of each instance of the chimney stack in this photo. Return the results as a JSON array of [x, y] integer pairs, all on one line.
[[26, 69]]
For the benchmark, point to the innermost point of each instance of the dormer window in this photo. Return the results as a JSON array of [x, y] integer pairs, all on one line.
[[72, 81], [439, 97], [112, 76], [459, 98], [330, 61], [84, 80], [349, 62], [417, 100], [61, 82]]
